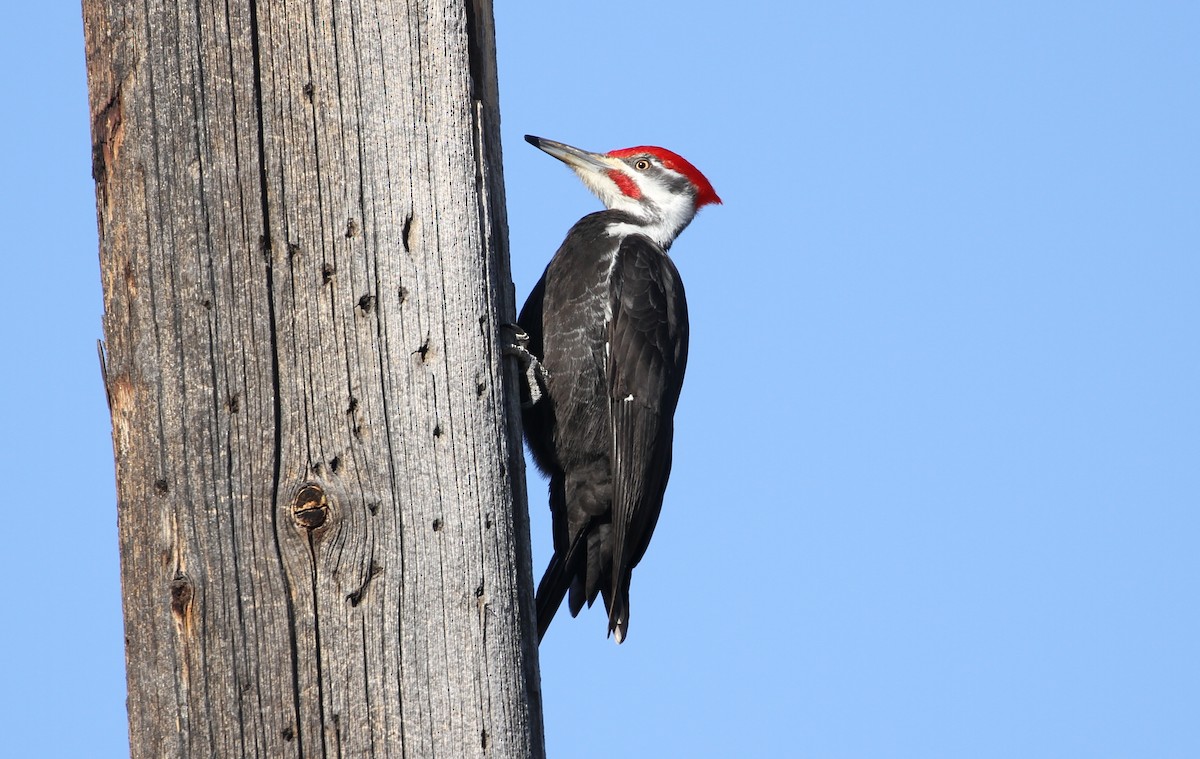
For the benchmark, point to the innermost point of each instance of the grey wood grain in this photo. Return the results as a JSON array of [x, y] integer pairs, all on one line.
[[324, 542]]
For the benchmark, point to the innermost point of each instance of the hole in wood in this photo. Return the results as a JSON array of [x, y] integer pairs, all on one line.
[[425, 351], [182, 593]]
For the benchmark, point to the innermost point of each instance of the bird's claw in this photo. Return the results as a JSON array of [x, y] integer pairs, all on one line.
[[519, 334], [535, 374]]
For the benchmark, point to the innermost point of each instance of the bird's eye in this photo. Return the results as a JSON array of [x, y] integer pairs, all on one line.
[[642, 165]]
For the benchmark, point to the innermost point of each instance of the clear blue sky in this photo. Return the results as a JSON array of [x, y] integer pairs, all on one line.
[[936, 489]]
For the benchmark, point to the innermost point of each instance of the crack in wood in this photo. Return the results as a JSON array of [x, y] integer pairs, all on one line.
[[406, 235], [355, 598]]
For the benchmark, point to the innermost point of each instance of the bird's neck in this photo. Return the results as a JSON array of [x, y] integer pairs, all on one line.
[[660, 226]]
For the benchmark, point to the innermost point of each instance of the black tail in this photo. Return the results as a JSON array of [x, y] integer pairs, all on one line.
[[557, 581], [550, 593]]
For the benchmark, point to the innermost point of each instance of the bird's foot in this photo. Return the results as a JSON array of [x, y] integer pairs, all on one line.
[[535, 373]]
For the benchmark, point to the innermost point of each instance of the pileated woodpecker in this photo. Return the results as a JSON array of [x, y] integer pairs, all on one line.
[[608, 324]]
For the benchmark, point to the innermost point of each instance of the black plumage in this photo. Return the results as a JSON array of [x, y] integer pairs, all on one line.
[[608, 321]]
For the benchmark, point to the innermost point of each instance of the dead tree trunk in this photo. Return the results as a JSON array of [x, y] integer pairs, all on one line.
[[324, 547]]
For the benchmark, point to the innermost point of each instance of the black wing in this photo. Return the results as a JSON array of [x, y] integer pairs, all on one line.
[[537, 419], [647, 355]]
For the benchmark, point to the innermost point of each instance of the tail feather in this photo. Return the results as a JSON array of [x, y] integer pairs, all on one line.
[[617, 604], [559, 576], [550, 593]]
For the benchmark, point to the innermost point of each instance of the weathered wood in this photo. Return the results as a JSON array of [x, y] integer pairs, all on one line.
[[320, 485]]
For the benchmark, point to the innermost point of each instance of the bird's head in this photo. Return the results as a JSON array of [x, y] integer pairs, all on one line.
[[658, 187]]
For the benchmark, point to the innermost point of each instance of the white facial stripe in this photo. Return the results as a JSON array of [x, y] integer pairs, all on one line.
[[608, 192], [672, 211]]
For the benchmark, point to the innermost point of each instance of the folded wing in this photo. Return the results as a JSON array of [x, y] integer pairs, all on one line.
[[647, 356]]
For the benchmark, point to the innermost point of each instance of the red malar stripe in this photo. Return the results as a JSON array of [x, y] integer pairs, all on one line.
[[625, 184]]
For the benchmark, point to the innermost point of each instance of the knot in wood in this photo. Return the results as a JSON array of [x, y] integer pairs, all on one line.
[[310, 506]]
